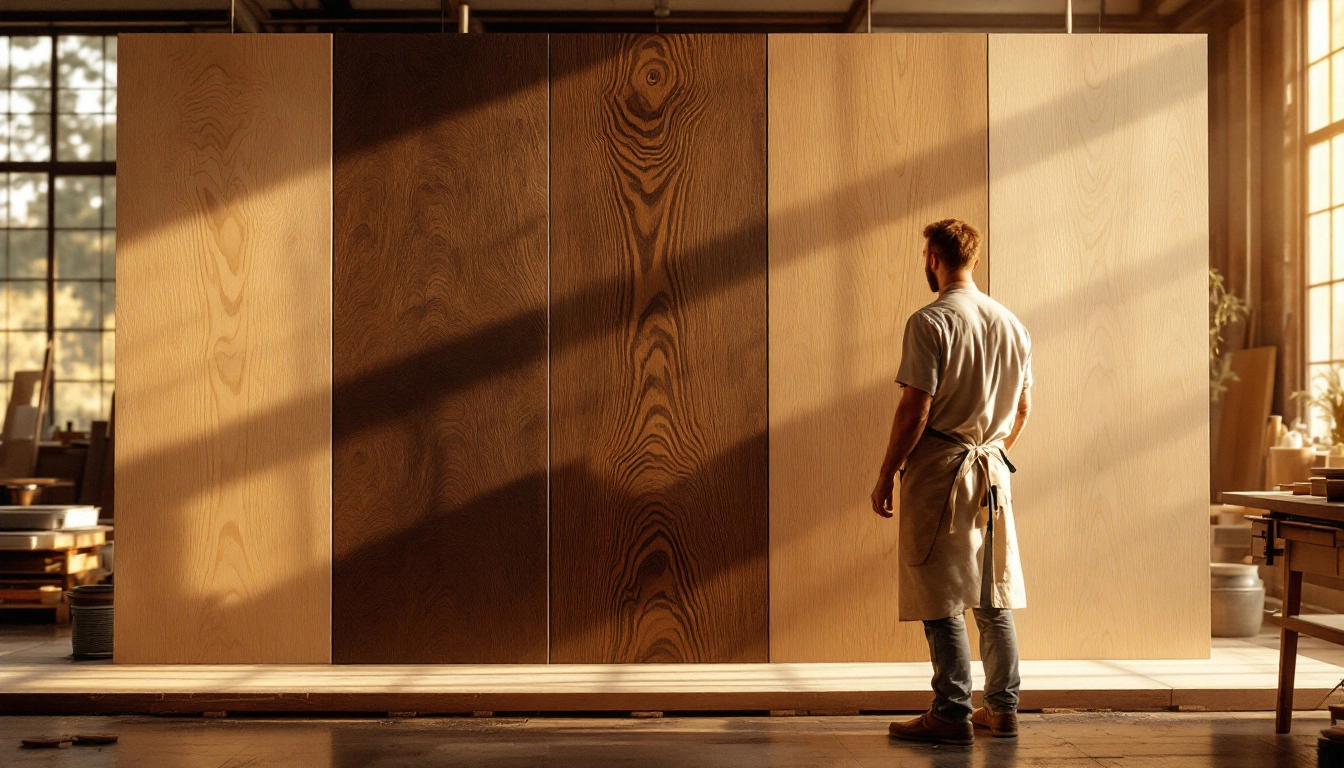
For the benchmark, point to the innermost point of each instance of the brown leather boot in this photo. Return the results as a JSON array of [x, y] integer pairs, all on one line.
[[929, 727], [1002, 726]]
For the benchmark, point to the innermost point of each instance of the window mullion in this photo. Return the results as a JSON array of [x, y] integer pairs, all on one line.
[[51, 234]]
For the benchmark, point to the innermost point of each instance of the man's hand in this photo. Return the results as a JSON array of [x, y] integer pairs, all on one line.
[[906, 427], [882, 495]]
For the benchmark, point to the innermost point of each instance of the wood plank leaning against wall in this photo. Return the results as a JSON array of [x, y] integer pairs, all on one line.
[[659, 535], [871, 138], [1099, 229], [440, 349], [224, 358]]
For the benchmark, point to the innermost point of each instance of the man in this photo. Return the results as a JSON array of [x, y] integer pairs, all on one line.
[[966, 373]]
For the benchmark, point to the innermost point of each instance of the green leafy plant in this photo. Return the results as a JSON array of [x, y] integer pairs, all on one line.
[[1329, 397], [1224, 309]]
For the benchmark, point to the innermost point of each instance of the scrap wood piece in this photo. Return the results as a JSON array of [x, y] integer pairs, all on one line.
[[94, 739], [55, 742], [1240, 453]]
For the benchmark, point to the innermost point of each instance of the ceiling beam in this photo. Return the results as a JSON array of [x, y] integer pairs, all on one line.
[[1197, 12], [1018, 22], [105, 22], [567, 21]]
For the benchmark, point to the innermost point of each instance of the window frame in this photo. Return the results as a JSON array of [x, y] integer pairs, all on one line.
[[52, 169]]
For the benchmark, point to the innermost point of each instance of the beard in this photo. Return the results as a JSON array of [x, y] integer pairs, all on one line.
[[932, 278]]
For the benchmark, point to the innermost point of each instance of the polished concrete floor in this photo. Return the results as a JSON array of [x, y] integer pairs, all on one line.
[[1063, 740]]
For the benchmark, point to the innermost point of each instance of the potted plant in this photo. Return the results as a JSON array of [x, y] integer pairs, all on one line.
[[1224, 309], [1329, 398]]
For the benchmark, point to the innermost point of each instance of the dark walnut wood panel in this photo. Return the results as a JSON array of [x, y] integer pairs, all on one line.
[[659, 493], [440, 349]]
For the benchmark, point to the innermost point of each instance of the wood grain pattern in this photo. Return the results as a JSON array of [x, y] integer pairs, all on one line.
[[1098, 165], [224, 358], [871, 138], [658, 387], [440, 349]]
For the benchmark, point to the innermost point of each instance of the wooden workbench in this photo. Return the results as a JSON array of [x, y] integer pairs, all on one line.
[[1302, 534]]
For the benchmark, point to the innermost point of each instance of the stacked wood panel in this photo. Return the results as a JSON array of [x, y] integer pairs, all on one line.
[[871, 138], [658, 382], [563, 241], [440, 349], [223, 415], [1099, 223]]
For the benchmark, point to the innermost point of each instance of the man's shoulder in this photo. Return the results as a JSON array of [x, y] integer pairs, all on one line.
[[1001, 312], [934, 315]]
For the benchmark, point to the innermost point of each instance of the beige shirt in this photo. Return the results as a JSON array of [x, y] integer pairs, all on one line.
[[974, 357]]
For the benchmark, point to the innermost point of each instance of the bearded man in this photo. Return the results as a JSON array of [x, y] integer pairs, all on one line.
[[966, 373]]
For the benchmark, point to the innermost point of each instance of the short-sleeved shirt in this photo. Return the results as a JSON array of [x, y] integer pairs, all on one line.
[[974, 357]]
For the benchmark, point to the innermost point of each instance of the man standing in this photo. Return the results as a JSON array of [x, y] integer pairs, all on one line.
[[966, 373]]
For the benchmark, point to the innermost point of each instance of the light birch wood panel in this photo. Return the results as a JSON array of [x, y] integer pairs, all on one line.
[[224, 349], [1099, 227], [871, 138]]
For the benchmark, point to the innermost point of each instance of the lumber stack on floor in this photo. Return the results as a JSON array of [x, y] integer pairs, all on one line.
[[1239, 676]]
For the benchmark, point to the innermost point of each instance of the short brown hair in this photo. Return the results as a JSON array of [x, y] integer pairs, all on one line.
[[956, 243]]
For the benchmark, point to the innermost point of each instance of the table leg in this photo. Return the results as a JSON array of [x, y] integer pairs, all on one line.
[[1292, 603]]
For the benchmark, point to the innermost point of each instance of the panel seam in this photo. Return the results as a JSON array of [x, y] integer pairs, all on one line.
[[548, 349]]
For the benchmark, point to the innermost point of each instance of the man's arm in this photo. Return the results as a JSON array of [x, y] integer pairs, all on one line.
[[1019, 421], [911, 415]]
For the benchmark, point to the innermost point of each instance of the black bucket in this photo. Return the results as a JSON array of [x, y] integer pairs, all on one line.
[[91, 621]]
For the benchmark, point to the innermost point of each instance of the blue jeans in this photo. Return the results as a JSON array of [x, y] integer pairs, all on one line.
[[950, 653]]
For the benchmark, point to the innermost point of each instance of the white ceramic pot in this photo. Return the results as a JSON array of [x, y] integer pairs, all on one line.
[[1237, 607]]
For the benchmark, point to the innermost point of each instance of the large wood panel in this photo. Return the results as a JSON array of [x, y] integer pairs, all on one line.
[[224, 349], [659, 520], [1099, 225], [440, 349], [871, 138]]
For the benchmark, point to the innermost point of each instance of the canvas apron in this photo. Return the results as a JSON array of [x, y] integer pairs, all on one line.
[[952, 491]]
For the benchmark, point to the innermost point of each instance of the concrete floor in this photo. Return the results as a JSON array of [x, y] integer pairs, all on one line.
[[1184, 740]]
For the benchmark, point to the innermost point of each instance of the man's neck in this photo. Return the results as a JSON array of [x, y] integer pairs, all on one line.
[[959, 280]]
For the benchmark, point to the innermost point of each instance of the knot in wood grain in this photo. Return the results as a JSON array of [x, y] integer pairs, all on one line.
[[653, 82]]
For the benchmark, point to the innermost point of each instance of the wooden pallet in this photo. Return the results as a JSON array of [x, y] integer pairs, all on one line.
[[60, 611]]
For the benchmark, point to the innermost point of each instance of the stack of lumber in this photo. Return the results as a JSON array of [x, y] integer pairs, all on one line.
[[46, 550], [1327, 482]]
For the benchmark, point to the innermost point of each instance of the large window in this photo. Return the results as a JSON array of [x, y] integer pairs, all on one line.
[[58, 103]]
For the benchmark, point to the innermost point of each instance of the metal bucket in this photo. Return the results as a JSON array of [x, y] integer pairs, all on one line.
[[1237, 605], [91, 621]]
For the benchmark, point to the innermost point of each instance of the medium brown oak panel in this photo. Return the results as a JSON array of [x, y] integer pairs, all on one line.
[[871, 138], [440, 349], [223, 427], [1098, 164], [658, 385]]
